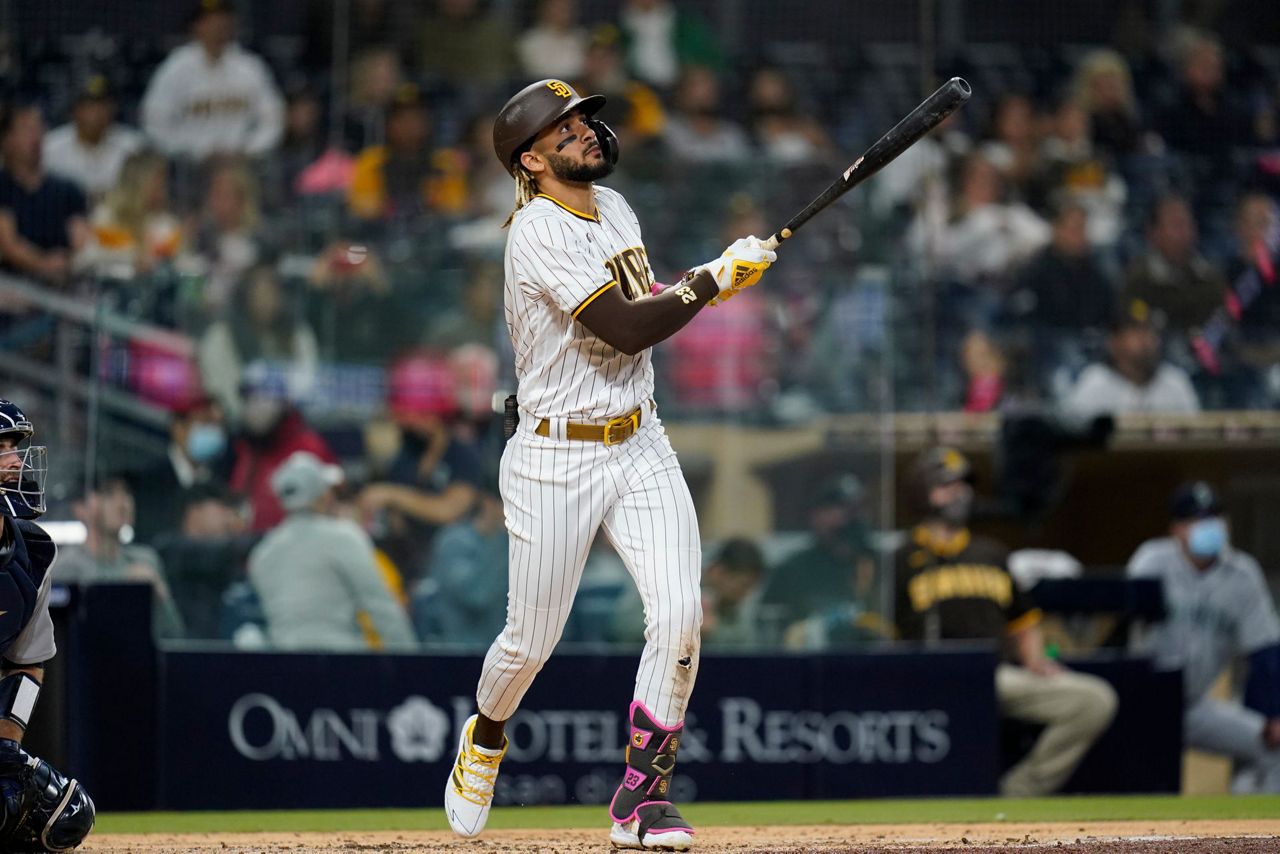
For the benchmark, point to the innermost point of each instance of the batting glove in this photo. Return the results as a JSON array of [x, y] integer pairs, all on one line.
[[741, 266]]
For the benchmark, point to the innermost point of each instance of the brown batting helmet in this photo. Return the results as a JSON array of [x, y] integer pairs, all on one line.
[[532, 109], [936, 467]]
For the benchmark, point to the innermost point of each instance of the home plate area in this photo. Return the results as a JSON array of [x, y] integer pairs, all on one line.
[[1167, 837]]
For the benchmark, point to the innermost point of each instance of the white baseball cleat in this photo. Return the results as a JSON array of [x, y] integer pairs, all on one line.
[[469, 793], [627, 836]]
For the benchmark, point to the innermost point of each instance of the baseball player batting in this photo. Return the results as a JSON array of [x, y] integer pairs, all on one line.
[[589, 452]]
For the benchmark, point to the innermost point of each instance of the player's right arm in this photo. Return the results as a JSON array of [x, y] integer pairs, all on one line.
[[550, 258], [635, 325]]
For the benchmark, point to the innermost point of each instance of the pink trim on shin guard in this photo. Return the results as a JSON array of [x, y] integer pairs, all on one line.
[[641, 797]]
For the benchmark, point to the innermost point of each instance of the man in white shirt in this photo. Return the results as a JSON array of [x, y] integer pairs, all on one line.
[[90, 150], [212, 96], [1134, 379]]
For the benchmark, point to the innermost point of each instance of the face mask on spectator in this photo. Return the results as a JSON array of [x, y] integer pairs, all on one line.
[[956, 511], [206, 442], [1207, 538]]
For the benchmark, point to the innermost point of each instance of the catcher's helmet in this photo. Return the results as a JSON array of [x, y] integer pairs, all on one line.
[[538, 105], [22, 468], [936, 467]]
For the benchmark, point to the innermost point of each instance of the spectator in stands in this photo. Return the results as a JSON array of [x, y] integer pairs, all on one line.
[[833, 579], [1134, 379], [272, 428], [726, 361], [225, 234], [556, 43], [356, 315], [954, 585], [369, 25], [1257, 245], [204, 553], [1071, 166], [1171, 276], [696, 131], [211, 96], [487, 197], [376, 77], [466, 45], [1239, 345], [919, 175], [304, 142], [1219, 610], [475, 317], [42, 217], [433, 480], [198, 456], [733, 612], [134, 228], [1063, 288], [985, 370], [634, 111], [109, 554], [91, 150], [662, 39], [315, 574], [463, 598], [263, 325], [778, 127], [1103, 88], [1204, 120], [1013, 143], [987, 237], [406, 176]]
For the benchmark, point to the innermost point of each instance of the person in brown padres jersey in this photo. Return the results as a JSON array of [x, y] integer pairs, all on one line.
[[953, 585]]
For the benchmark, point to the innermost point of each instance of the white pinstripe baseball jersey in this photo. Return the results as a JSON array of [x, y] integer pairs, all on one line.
[[558, 260]]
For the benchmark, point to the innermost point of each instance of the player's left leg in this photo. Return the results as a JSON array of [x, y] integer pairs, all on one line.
[[554, 499], [1230, 729], [654, 528], [1076, 708]]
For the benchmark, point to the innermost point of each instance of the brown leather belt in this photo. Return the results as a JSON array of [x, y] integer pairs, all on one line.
[[614, 432]]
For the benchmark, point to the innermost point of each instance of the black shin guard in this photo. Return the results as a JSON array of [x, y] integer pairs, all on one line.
[[651, 760], [40, 808]]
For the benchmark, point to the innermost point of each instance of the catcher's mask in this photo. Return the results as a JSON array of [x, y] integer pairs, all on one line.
[[538, 105], [23, 466]]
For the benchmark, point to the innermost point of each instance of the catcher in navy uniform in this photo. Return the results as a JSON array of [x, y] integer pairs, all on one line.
[[40, 808]]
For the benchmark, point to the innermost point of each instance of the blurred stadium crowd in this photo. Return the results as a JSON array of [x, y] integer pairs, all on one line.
[[1095, 233]]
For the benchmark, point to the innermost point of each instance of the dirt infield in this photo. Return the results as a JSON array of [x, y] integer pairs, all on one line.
[[1145, 837]]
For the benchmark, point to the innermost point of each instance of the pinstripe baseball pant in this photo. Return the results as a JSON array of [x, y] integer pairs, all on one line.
[[558, 493]]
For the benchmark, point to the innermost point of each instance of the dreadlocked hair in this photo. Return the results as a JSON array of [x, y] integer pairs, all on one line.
[[526, 189]]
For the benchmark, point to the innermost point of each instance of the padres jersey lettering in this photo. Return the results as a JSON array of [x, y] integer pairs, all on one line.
[[630, 269], [957, 590]]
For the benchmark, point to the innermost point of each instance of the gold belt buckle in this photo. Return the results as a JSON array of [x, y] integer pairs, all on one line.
[[628, 421]]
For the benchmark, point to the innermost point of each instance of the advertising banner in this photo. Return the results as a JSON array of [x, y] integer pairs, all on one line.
[[266, 731]]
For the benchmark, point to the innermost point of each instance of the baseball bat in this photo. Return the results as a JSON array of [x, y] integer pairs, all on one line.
[[903, 135]]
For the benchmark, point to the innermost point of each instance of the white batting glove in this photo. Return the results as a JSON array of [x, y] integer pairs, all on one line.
[[740, 266]]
